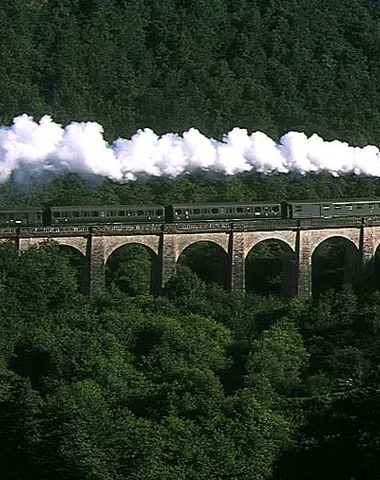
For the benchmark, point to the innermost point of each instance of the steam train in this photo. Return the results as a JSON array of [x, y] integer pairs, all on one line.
[[119, 214]]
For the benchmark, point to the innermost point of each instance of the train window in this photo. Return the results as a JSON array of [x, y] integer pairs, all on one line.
[[95, 213], [248, 209], [76, 214], [56, 214], [159, 213], [197, 211], [2, 216], [257, 210], [215, 210], [239, 209], [178, 211], [275, 209], [359, 207], [348, 207], [140, 213], [121, 213]]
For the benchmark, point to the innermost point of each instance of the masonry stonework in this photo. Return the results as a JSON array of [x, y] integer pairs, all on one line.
[[167, 242], [168, 256], [96, 264], [237, 261]]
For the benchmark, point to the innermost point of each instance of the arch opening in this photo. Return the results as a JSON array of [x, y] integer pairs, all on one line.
[[335, 263], [134, 269], [208, 261], [270, 269], [373, 270], [78, 262]]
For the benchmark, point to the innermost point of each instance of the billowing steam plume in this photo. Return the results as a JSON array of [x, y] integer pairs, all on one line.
[[46, 147]]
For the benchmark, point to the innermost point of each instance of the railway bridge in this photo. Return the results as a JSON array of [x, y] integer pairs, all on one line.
[[299, 238]]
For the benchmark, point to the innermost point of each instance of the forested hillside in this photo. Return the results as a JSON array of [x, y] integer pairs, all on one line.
[[196, 383], [272, 65]]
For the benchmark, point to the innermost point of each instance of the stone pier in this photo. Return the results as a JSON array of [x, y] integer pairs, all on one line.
[[166, 242]]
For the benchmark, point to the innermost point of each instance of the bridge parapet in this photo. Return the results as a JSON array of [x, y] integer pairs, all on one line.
[[198, 227], [9, 232], [322, 223], [371, 221], [236, 225], [126, 229], [54, 231]]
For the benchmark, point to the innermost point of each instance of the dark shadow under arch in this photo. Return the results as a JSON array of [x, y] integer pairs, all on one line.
[[270, 268], [134, 269], [373, 269], [78, 262], [335, 263], [208, 261]]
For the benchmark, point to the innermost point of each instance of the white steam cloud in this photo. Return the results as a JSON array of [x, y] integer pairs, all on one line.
[[31, 148]]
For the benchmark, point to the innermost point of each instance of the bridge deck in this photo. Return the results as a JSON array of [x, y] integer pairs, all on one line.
[[186, 227]]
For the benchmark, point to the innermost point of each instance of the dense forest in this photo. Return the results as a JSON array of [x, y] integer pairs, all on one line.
[[195, 383], [271, 65]]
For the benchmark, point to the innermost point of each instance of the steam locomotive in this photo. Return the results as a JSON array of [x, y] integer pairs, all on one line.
[[119, 214]]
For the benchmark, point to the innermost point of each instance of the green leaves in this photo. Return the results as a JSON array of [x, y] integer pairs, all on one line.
[[279, 356]]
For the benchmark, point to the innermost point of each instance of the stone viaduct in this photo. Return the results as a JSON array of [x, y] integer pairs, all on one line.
[[298, 238]]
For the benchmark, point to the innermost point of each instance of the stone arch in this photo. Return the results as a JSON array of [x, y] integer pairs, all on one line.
[[184, 241], [134, 267], [80, 247], [77, 259], [334, 268], [76, 244], [320, 236], [273, 270], [152, 242], [208, 259], [251, 239], [79, 244]]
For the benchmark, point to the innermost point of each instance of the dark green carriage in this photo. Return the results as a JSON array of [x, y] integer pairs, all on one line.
[[223, 211], [333, 208], [22, 216], [107, 214]]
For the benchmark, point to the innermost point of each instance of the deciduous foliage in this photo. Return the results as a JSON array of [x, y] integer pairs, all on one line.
[[120, 388], [198, 383]]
